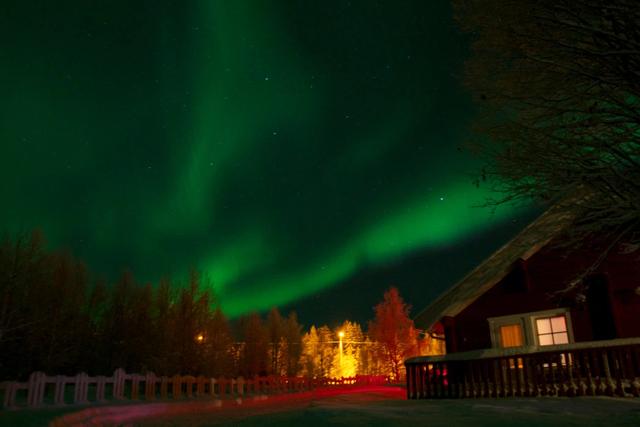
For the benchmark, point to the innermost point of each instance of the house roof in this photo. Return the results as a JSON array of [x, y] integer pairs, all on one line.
[[482, 278]]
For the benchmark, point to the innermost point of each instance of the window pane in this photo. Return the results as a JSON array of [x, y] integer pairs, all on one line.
[[511, 336], [544, 326], [558, 324], [545, 339], [561, 338]]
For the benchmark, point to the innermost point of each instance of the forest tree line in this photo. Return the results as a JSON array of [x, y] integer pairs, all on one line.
[[55, 318]]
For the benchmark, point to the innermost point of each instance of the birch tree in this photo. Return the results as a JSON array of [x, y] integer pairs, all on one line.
[[394, 332]]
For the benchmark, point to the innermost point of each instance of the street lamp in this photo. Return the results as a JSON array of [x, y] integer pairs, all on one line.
[[340, 335]]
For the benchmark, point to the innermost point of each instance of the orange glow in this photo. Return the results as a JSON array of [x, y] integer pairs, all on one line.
[[200, 338], [341, 334], [511, 336]]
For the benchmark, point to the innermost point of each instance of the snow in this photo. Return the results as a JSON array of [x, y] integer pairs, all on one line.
[[376, 408], [371, 406]]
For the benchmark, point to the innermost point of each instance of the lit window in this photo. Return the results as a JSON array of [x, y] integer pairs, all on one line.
[[511, 336], [552, 330]]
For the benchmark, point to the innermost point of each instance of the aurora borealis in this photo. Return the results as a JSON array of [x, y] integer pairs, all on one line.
[[280, 147]]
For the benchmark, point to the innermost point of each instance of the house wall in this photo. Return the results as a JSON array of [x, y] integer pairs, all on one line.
[[623, 273], [532, 286]]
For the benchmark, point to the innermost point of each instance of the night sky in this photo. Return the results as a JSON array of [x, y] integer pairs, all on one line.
[[305, 154]]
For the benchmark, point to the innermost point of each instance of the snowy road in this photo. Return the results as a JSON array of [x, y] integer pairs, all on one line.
[[386, 407], [377, 408], [372, 406]]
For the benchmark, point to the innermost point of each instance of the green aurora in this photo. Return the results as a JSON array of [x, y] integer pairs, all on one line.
[[280, 147]]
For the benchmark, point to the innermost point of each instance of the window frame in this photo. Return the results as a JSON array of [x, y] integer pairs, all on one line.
[[552, 333], [522, 334], [529, 327], [495, 323]]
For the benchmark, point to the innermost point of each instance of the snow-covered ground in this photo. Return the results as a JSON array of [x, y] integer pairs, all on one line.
[[374, 406], [377, 409]]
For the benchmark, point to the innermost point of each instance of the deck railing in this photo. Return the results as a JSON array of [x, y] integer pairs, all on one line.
[[592, 368], [42, 390]]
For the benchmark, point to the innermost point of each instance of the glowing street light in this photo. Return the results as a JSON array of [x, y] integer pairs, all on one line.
[[200, 338], [340, 335]]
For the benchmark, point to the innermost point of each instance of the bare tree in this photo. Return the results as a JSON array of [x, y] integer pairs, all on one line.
[[558, 86], [394, 332]]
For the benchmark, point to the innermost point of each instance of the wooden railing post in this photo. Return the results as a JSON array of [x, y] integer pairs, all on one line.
[[176, 387], [212, 387], [164, 387], [619, 369], [100, 388], [240, 382], [410, 382], [135, 386], [222, 387], [634, 360], [200, 385], [81, 388], [35, 392], [578, 373], [150, 380], [58, 391], [609, 386], [189, 381], [118, 384], [10, 395]]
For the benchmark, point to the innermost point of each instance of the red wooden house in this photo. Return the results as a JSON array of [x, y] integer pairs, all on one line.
[[515, 325]]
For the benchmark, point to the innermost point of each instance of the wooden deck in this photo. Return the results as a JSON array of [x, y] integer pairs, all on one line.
[[610, 368]]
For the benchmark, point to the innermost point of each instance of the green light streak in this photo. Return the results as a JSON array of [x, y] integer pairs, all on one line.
[[230, 263], [425, 223], [281, 147], [241, 100]]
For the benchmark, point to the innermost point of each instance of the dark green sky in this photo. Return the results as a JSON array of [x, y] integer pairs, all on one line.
[[288, 148]]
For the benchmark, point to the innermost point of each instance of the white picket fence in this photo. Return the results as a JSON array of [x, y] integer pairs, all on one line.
[[43, 390]]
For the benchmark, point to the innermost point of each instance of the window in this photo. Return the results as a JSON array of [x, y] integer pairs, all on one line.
[[511, 335], [552, 330], [532, 329]]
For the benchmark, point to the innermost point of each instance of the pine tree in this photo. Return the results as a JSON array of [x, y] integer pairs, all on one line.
[[326, 351], [348, 365], [310, 358], [275, 330], [292, 340], [219, 342], [253, 359]]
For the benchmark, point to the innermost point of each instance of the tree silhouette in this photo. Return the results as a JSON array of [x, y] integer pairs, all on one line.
[[218, 345], [253, 359], [292, 345], [557, 84], [275, 331]]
